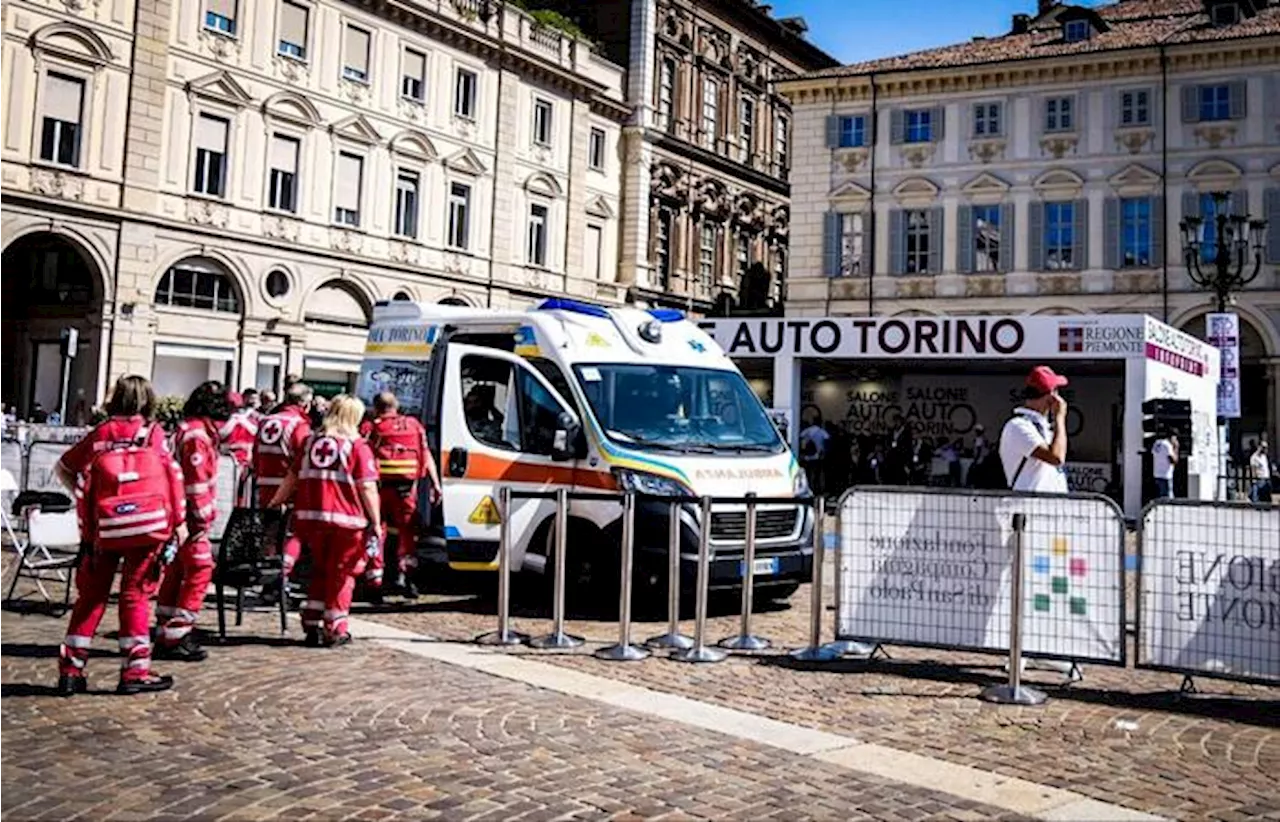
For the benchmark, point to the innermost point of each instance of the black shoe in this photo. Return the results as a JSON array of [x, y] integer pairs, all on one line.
[[152, 684], [409, 590], [313, 639], [70, 685], [375, 596], [339, 640], [187, 650]]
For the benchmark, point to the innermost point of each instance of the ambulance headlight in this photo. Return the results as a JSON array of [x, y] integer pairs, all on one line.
[[651, 331], [800, 485], [640, 482]]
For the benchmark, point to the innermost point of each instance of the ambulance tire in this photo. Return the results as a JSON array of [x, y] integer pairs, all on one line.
[[587, 575]]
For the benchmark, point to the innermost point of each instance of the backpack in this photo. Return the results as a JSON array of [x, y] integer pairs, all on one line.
[[127, 495], [397, 445]]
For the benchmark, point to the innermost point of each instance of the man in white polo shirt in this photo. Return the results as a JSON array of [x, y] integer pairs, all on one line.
[[1033, 444]]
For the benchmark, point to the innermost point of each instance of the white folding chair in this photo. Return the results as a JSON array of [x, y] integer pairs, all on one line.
[[51, 551], [8, 491]]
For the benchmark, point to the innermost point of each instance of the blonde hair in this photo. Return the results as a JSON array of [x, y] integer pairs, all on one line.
[[345, 414]]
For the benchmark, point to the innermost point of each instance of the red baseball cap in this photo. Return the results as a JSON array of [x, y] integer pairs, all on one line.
[[1043, 379]]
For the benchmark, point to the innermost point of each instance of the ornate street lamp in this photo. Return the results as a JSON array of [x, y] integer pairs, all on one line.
[[1223, 266]]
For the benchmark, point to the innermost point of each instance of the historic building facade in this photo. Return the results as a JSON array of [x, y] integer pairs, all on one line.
[[707, 151], [1047, 171], [223, 188]]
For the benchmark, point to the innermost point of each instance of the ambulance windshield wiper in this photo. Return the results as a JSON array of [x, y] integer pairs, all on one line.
[[745, 447], [677, 447]]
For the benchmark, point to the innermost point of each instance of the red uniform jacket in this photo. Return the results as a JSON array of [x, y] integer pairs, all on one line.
[[330, 471], [238, 435], [400, 445], [280, 440], [196, 444]]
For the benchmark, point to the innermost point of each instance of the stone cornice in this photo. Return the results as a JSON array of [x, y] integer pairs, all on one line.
[[1144, 61]]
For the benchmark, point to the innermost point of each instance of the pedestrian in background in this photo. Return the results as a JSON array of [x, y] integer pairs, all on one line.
[[813, 449], [1260, 473], [1164, 459]]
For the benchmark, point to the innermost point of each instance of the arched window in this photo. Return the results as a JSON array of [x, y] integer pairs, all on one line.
[[402, 297], [196, 283], [458, 301], [336, 304]]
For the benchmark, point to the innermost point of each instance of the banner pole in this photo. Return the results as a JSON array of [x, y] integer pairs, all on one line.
[[624, 651], [745, 640], [558, 638], [1014, 693], [700, 652], [672, 639], [816, 652], [504, 635], [840, 646]]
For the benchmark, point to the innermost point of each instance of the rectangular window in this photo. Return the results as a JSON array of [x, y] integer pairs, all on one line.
[[852, 238], [853, 132], [747, 128], [1215, 103], [742, 254], [63, 105], [459, 215], [537, 245], [413, 75], [1135, 232], [211, 156], [592, 256], [1059, 114], [1059, 236], [220, 15], [1076, 30], [916, 222], [781, 145], [707, 254], [662, 256], [293, 30], [1135, 108], [919, 125], [710, 112], [465, 94], [355, 64], [986, 238], [595, 153], [283, 183], [1209, 226], [542, 121], [407, 187], [347, 187], [666, 93], [986, 120]]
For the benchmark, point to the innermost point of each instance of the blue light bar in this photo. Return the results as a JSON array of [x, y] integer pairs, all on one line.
[[558, 304], [666, 315]]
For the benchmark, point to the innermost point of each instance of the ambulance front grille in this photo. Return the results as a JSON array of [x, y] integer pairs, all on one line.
[[731, 526]]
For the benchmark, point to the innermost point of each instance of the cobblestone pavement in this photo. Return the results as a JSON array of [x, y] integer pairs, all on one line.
[[268, 732], [1120, 736]]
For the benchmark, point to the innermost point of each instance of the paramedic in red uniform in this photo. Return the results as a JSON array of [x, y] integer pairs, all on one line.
[[238, 433], [400, 445], [281, 436], [186, 580], [334, 483], [132, 421]]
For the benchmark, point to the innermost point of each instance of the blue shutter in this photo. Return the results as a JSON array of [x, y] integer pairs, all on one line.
[[936, 217], [1190, 104], [831, 244], [964, 239], [1240, 202], [1113, 234], [866, 244], [1080, 234], [1237, 94], [833, 131], [1158, 219], [897, 126], [897, 243], [1273, 225], [1035, 236], [1191, 204], [938, 124], [1008, 236]]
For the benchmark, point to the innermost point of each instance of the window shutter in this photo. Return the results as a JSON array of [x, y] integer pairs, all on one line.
[[1158, 218], [1240, 202], [867, 217], [414, 65], [226, 8], [897, 243], [1080, 234], [284, 154], [936, 216], [1113, 234], [833, 131], [1190, 104], [1273, 225], [831, 244], [211, 133], [63, 98], [1035, 236], [293, 24], [897, 126], [938, 124], [1008, 233], [357, 44], [1190, 204], [1237, 95], [964, 239], [347, 190]]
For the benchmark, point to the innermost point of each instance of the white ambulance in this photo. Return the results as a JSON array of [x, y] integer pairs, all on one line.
[[576, 396]]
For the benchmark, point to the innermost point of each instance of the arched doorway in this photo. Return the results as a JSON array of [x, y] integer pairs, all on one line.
[[49, 285], [337, 316]]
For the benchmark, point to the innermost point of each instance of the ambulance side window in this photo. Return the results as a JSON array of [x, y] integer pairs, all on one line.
[[552, 373], [487, 402], [539, 415]]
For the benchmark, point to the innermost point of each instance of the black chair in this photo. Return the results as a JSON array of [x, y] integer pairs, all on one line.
[[243, 562]]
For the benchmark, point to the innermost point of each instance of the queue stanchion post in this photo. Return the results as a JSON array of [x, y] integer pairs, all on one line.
[[838, 646], [745, 640], [672, 639], [624, 651], [504, 635], [1014, 692], [699, 652], [558, 638], [816, 652]]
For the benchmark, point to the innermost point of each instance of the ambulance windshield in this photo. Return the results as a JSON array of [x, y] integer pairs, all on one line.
[[676, 408]]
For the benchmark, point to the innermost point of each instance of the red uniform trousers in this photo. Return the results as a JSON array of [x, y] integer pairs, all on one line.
[[399, 504], [94, 575], [186, 581], [338, 557]]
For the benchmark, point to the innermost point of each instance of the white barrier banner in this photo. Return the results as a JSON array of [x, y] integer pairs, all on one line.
[[228, 476], [42, 458], [11, 460], [935, 569], [1211, 590]]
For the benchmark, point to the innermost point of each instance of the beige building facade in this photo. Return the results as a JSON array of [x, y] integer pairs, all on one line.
[[224, 188]]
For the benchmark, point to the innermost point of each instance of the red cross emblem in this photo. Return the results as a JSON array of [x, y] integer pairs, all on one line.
[[324, 452], [272, 430]]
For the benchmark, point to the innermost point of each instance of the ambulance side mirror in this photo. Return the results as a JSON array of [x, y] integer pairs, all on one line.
[[568, 431]]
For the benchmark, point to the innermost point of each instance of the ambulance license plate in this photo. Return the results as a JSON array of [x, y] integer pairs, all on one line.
[[762, 567]]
